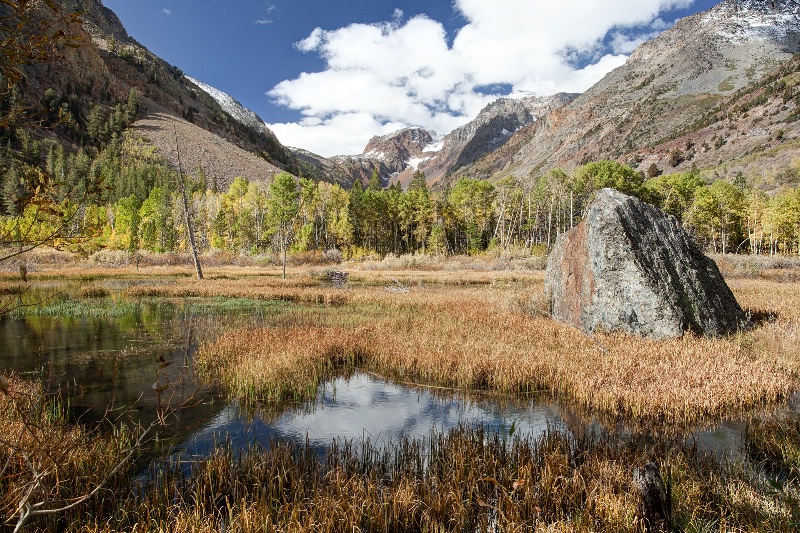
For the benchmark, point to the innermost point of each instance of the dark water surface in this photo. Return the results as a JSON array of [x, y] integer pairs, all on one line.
[[115, 360]]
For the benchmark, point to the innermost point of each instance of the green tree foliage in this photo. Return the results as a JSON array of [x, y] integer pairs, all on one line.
[[674, 193], [602, 174], [283, 208], [130, 200], [716, 214], [472, 203]]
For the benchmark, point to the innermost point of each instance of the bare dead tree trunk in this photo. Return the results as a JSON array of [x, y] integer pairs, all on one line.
[[186, 215]]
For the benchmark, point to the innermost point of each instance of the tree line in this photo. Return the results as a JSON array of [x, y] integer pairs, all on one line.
[[139, 208]]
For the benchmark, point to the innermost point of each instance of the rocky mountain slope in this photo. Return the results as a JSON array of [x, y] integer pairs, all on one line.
[[489, 132], [107, 63], [673, 103], [389, 154], [234, 108], [398, 155], [718, 89]]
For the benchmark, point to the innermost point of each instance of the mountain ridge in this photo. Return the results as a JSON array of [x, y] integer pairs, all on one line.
[[106, 63], [638, 109]]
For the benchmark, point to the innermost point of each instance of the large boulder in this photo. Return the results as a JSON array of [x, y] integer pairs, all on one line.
[[629, 266]]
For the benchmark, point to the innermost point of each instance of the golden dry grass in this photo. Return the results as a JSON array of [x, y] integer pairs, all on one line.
[[468, 479], [44, 456], [470, 330], [487, 339], [482, 329]]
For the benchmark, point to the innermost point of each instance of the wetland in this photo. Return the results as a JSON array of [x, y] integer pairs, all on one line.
[[405, 401]]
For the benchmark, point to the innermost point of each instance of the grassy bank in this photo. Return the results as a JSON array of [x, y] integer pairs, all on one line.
[[467, 479], [48, 462], [466, 330], [470, 330]]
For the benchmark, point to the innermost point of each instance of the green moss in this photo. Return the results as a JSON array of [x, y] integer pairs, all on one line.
[[726, 85]]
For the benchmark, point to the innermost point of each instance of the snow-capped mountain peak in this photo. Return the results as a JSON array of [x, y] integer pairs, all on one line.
[[233, 107]]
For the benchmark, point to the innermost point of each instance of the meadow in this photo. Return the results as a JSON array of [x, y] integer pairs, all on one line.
[[489, 331], [459, 329]]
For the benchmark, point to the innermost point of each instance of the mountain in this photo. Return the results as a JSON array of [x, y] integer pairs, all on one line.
[[694, 95], [105, 64], [398, 155], [389, 155], [718, 91], [489, 132], [234, 108]]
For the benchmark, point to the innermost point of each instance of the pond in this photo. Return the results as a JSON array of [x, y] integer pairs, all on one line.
[[117, 359]]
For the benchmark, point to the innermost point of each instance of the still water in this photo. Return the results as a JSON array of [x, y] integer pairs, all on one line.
[[116, 359]]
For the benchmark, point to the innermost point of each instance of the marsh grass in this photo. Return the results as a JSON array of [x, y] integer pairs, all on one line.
[[465, 479], [478, 331], [66, 307], [474, 330], [40, 439], [776, 444], [492, 338]]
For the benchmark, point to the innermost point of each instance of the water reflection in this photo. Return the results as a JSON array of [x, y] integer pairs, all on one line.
[[362, 406], [105, 361], [118, 357]]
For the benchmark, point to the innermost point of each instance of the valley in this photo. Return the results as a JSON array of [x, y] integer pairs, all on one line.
[[369, 344]]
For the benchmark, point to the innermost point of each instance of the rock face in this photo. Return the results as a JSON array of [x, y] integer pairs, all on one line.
[[400, 149], [629, 266], [645, 109], [388, 154], [486, 133], [235, 109]]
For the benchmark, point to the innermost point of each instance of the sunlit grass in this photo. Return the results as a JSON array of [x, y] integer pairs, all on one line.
[[467, 479], [489, 338]]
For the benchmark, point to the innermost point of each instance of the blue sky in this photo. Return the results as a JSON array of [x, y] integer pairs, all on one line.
[[327, 75]]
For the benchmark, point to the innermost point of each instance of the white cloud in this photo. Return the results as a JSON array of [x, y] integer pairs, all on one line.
[[166, 11], [382, 76], [266, 20], [340, 134]]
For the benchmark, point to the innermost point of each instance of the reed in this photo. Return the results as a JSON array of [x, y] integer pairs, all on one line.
[[776, 444], [46, 457], [489, 339], [466, 479], [65, 307]]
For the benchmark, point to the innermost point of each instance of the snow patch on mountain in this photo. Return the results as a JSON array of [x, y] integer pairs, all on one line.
[[738, 21], [434, 147], [374, 154], [232, 106], [415, 162]]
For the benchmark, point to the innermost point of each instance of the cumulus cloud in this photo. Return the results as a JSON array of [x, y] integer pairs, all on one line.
[[379, 77]]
